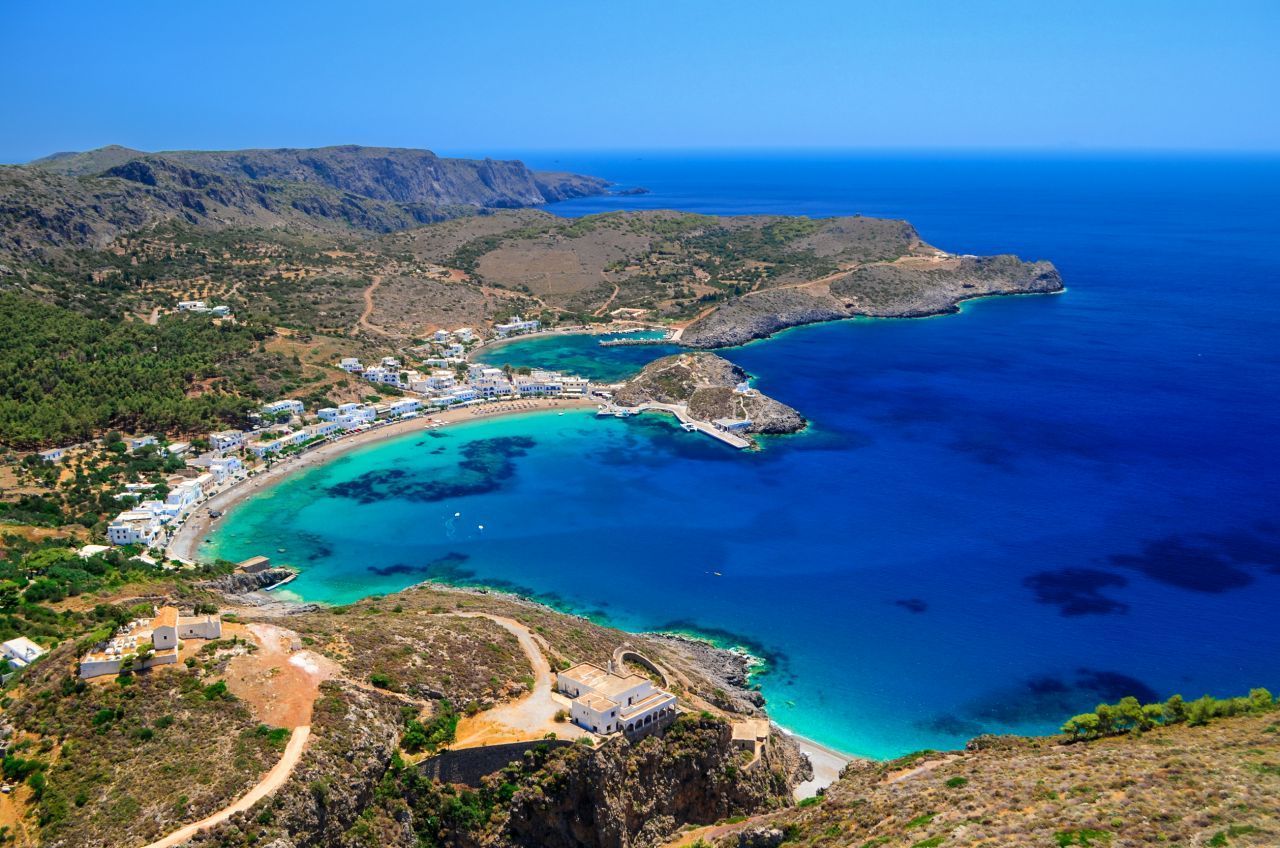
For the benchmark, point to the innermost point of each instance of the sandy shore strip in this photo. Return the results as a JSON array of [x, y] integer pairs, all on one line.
[[186, 542], [827, 765]]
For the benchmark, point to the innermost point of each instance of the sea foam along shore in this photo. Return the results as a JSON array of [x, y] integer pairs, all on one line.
[[185, 544]]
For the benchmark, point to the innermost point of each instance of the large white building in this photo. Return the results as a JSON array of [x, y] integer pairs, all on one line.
[[606, 702], [135, 527], [515, 327], [21, 651], [382, 374], [224, 467], [225, 440], [550, 384], [289, 405]]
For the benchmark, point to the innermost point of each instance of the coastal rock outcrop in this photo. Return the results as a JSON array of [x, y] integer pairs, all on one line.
[[709, 386], [909, 287], [242, 583]]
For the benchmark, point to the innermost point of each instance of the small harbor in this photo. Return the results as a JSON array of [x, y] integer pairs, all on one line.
[[681, 412]]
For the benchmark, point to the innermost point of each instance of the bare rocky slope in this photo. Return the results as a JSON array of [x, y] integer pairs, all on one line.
[[708, 384], [1213, 785]]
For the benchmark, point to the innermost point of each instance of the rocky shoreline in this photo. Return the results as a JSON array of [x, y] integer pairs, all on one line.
[[914, 287], [710, 388]]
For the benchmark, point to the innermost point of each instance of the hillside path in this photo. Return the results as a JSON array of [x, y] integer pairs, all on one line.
[[273, 780], [530, 716], [362, 323]]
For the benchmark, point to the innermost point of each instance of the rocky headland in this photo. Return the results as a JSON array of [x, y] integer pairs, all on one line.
[[708, 385], [909, 287]]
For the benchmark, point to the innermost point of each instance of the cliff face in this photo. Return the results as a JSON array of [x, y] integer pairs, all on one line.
[[706, 383], [625, 795], [81, 200]]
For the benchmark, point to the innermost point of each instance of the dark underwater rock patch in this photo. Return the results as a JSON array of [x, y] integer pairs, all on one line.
[[951, 725], [1078, 591], [485, 465], [1051, 699], [1212, 563], [915, 605], [447, 567]]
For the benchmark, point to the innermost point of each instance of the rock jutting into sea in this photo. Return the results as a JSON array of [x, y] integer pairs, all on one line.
[[913, 286], [712, 388]]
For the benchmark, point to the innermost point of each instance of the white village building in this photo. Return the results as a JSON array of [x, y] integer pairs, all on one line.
[[607, 702], [515, 327], [289, 405], [225, 440], [135, 527], [21, 651]]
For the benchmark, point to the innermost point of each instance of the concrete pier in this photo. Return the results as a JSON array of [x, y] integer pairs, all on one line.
[[681, 412]]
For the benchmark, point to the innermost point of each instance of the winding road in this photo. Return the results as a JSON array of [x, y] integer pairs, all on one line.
[[531, 716]]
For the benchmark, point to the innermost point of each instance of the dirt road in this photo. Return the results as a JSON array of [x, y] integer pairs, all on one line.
[[531, 716], [273, 780]]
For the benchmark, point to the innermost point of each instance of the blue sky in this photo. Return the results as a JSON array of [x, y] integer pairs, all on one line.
[[502, 76]]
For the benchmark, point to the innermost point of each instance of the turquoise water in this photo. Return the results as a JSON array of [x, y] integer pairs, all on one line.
[[580, 355], [998, 518]]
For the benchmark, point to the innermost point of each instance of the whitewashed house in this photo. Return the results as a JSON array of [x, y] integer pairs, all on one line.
[[382, 374], [550, 384], [138, 442], [404, 407], [606, 702], [135, 527], [351, 365], [185, 494], [515, 327], [441, 336], [224, 467], [465, 335], [53, 454], [289, 405], [192, 306], [21, 651], [225, 440]]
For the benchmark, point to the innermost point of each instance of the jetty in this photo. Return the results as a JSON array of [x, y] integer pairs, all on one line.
[[681, 412], [666, 339]]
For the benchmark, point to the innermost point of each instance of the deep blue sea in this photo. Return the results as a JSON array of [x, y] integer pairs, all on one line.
[[998, 519]]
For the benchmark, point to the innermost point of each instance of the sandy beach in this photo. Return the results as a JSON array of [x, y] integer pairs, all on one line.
[[186, 542], [827, 765]]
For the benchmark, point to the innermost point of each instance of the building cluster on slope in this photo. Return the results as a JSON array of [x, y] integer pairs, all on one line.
[[144, 643], [443, 379]]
